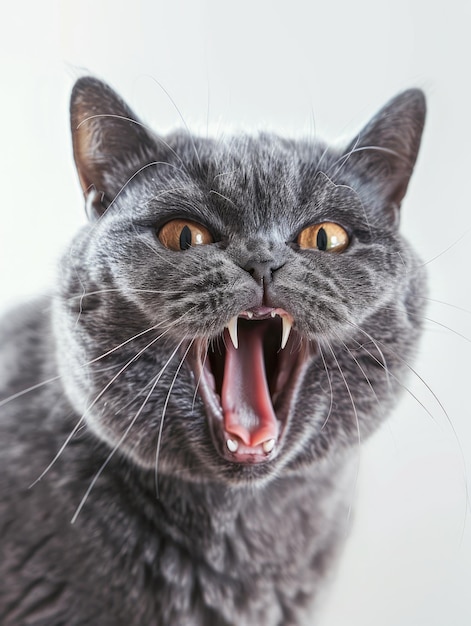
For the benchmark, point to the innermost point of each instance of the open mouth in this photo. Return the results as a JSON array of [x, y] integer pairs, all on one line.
[[247, 379]]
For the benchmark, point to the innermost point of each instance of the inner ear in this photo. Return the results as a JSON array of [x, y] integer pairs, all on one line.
[[109, 143]]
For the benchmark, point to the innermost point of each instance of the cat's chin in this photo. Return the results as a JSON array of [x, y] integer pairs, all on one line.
[[248, 379]]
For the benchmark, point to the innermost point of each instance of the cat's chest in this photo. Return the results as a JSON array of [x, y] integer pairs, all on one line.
[[215, 564], [214, 579]]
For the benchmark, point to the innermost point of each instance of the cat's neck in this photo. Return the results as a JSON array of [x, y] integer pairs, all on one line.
[[212, 511], [254, 531]]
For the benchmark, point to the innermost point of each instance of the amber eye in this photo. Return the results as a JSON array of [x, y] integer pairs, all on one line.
[[183, 234], [328, 237]]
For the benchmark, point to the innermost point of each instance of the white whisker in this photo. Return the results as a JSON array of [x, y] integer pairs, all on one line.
[[103, 391], [448, 304], [216, 193], [436, 323], [48, 381], [444, 251], [99, 292], [329, 413], [344, 158], [364, 374], [88, 409], [29, 390], [190, 134], [164, 410], [123, 436], [137, 123], [141, 169], [203, 362], [347, 387], [357, 423]]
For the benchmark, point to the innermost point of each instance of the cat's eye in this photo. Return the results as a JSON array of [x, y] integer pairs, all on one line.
[[183, 234], [327, 236]]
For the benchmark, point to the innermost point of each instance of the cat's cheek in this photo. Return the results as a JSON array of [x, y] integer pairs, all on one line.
[[194, 300], [71, 357]]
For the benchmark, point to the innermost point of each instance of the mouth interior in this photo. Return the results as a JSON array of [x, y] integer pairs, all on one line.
[[250, 378], [268, 330]]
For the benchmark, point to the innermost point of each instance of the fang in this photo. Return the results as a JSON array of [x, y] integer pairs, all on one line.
[[232, 328], [232, 445], [268, 445], [285, 331]]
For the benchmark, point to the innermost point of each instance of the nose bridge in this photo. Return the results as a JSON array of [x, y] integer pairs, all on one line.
[[262, 257]]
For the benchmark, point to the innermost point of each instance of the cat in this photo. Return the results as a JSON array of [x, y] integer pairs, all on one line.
[[181, 417]]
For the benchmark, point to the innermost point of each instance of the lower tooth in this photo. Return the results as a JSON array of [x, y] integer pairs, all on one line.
[[232, 445], [268, 445]]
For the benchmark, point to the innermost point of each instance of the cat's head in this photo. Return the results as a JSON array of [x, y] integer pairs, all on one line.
[[236, 309]]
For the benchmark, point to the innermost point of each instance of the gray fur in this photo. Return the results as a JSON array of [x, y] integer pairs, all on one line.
[[171, 532]]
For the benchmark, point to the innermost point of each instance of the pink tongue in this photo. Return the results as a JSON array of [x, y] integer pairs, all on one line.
[[245, 398]]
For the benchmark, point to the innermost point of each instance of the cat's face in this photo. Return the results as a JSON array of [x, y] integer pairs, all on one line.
[[236, 310]]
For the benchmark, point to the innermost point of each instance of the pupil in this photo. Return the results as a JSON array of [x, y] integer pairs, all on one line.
[[321, 239], [185, 238]]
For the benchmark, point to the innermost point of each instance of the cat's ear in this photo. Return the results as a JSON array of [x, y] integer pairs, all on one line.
[[386, 150], [109, 143]]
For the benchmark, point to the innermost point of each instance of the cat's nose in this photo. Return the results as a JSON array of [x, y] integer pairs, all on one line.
[[262, 271]]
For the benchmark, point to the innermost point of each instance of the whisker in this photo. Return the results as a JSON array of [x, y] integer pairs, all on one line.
[[383, 361], [413, 371], [357, 423], [355, 193], [190, 134], [228, 173], [436, 322], [216, 193], [48, 381], [82, 297], [329, 413], [323, 155], [164, 410], [141, 169], [447, 249], [137, 123], [343, 159], [100, 292], [123, 437], [125, 118], [423, 406], [103, 391], [355, 150], [448, 328], [29, 390], [347, 387], [364, 374], [55, 378], [88, 409], [199, 378], [449, 304]]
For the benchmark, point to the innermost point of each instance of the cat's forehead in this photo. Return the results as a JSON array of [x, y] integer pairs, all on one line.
[[254, 180], [247, 183]]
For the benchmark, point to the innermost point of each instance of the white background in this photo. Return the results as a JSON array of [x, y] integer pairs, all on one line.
[[296, 67]]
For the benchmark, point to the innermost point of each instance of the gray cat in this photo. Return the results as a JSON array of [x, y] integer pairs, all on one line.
[[181, 418]]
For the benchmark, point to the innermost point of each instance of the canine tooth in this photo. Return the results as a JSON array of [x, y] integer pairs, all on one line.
[[285, 331], [232, 445], [232, 328], [268, 445]]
